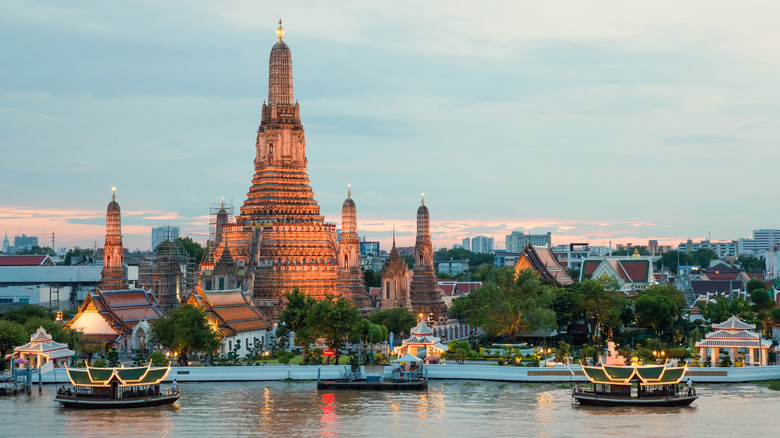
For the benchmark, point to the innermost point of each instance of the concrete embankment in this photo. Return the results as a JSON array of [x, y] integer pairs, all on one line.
[[449, 371]]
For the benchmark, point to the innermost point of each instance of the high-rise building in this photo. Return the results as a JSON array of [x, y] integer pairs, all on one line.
[[482, 244], [518, 240], [113, 275], [425, 295], [467, 244], [24, 242], [165, 233], [728, 248], [6, 244]]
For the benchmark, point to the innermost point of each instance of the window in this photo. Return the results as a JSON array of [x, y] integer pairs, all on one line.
[[221, 283], [24, 300], [6, 300], [387, 290], [208, 284], [270, 148]]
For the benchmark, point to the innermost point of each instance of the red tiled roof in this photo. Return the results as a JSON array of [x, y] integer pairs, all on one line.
[[25, 260], [447, 289], [637, 270]]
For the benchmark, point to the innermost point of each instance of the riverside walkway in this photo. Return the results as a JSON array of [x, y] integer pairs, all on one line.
[[449, 372]]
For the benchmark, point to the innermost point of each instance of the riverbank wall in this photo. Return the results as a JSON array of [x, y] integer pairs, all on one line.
[[559, 374]]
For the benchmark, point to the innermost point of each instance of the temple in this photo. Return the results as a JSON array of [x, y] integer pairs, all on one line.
[[396, 277], [41, 350], [424, 294], [113, 275], [542, 260], [279, 237], [114, 314], [734, 335]]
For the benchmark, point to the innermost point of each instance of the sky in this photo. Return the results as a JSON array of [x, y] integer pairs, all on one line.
[[596, 121]]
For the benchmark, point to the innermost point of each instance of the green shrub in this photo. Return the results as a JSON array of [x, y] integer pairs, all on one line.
[[158, 359], [100, 363], [501, 361]]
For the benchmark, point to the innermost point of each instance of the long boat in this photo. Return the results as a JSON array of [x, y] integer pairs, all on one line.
[[98, 388], [634, 385]]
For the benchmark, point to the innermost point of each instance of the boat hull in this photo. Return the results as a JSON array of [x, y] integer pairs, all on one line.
[[84, 403], [599, 400]]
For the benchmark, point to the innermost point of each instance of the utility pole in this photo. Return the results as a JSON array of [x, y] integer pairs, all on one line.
[[52, 241]]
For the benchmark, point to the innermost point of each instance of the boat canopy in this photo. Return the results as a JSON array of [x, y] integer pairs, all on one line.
[[134, 376], [624, 375]]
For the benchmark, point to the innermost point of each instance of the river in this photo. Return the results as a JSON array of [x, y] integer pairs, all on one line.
[[449, 408]]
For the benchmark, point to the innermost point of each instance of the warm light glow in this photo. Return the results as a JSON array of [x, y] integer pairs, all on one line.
[[280, 31]]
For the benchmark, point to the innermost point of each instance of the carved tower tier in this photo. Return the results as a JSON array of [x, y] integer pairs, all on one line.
[[293, 247], [424, 293], [113, 274]]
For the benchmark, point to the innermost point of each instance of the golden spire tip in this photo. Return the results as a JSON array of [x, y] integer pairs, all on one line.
[[423, 199], [349, 190], [280, 31], [113, 195]]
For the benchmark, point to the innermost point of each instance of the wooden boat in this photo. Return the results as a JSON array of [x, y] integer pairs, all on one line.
[[653, 385], [97, 388]]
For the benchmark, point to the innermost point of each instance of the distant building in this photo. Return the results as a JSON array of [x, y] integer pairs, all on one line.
[[518, 240], [453, 267], [542, 260], [368, 248], [761, 242], [727, 248], [165, 233], [467, 244], [655, 248], [24, 242], [633, 273], [503, 258], [36, 280], [572, 255], [6, 244], [482, 244]]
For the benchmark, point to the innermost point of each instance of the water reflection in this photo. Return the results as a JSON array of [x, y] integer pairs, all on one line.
[[448, 408]]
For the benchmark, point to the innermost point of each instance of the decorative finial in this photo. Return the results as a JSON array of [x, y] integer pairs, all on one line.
[[223, 202], [280, 31], [349, 190], [113, 195], [423, 199]]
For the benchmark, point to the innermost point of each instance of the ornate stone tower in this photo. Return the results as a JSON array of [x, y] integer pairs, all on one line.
[[395, 281], [424, 292], [350, 277], [113, 275], [293, 246]]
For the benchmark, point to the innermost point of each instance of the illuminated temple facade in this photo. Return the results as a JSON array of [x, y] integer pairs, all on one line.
[[279, 235]]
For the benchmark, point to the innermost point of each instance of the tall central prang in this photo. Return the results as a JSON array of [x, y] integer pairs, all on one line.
[[292, 245]]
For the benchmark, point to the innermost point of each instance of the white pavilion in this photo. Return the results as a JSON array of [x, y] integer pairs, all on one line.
[[42, 349], [422, 340], [733, 335]]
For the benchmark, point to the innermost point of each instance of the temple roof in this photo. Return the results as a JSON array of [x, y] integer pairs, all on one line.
[[231, 311], [734, 323], [42, 343], [26, 260], [542, 260], [624, 375], [106, 315], [134, 376]]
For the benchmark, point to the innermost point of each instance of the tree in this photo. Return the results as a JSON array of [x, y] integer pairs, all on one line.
[[37, 250], [186, 330], [76, 252], [460, 351], [760, 299], [298, 317], [193, 249], [724, 308], [702, 257], [86, 348], [567, 306], [630, 251], [603, 306], [754, 284], [398, 320], [409, 259], [507, 304], [337, 321], [372, 278], [752, 263], [26, 312], [657, 309], [12, 334]]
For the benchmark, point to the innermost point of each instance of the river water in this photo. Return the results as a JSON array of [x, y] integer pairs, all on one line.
[[449, 408]]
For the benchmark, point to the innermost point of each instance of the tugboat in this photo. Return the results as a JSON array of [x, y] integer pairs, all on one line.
[[633, 385], [98, 388]]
